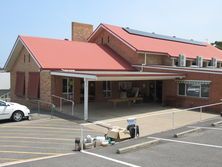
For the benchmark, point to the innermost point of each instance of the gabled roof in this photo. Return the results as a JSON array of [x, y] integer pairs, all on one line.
[[146, 42], [62, 54]]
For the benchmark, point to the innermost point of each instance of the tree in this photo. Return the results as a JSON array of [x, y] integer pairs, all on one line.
[[217, 44]]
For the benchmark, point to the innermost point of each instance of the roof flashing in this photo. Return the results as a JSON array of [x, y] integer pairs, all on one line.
[[162, 37]]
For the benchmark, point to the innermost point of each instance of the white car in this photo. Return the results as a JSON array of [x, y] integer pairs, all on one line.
[[13, 111]]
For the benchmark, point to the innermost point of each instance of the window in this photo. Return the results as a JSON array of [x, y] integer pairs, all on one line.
[[24, 57], [67, 88], [34, 85], [193, 89], [204, 90], [20, 84], [29, 58], [182, 89], [107, 89], [2, 103], [108, 39], [102, 40]]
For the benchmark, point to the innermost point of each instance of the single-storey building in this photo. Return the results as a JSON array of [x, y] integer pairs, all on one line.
[[5, 82], [113, 63]]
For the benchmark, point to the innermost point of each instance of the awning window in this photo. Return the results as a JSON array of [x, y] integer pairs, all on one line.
[[34, 85], [197, 82], [20, 84]]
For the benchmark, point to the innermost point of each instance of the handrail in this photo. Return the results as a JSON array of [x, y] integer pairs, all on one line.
[[62, 98], [5, 96], [45, 102], [208, 105]]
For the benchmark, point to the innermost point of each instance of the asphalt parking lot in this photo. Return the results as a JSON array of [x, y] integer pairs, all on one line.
[[50, 143], [202, 148], [38, 139]]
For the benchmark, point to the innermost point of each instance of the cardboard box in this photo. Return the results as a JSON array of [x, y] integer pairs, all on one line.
[[124, 134], [118, 134], [113, 133]]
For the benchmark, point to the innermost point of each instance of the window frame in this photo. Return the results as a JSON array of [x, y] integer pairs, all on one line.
[[200, 93], [69, 92], [107, 93]]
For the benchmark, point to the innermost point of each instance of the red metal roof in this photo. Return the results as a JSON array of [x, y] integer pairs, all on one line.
[[172, 48], [63, 54]]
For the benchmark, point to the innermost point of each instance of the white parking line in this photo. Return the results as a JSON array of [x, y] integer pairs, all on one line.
[[203, 127], [33, 159], [36, 142], [110, 159], [42, 127], [32, 147], [186, 142], [37, 138]]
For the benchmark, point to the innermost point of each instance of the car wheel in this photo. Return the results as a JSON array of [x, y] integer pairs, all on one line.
[[17, 116]]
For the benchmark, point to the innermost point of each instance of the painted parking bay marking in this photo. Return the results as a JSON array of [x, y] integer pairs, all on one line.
[[33, 159], [43, 127], [110, 159], [186, 142], [25, 152], [41, 142], [36, 138]]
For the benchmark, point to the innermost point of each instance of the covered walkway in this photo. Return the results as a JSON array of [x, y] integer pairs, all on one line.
[[88, 76]]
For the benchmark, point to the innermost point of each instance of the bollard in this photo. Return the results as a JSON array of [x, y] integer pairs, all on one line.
[[173, 121], [39, 109], [82, 140], [201, 110]]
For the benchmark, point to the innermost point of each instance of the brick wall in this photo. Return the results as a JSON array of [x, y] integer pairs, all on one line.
[[26, 63], [119, 47], [170, 88], [22, 64], [81, 32], [106, 38]]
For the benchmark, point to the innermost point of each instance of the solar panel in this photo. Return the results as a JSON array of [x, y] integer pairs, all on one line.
[[163, 37]]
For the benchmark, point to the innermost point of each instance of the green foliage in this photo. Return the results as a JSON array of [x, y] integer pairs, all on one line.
[[217, 44]]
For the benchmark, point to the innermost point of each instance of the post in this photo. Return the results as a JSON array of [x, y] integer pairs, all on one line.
[[72, 108], [173, 120], [60, 104], [38, 109], [85, 99], [201, 111], [51, 111], [135, 132], [81, 139]]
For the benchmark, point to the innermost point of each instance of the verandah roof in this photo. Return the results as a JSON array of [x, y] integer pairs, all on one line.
[[118, 75]]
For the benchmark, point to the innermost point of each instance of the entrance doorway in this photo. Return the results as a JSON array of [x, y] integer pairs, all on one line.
[[159, 88], [156, 91]]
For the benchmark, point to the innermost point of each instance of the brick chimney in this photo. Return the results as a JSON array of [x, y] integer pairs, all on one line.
[[81, 31]]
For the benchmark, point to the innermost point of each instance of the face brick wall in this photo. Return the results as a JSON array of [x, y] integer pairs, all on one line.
[[22, 64], [26, 63], [81, 32], [119, 47], [170, 90]]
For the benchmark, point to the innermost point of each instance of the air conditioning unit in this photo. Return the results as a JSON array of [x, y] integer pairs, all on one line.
[[182, 60], [213, 62], [199, 61]]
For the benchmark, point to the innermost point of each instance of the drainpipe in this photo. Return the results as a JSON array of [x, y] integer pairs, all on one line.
[[86, 82], [145, 56]]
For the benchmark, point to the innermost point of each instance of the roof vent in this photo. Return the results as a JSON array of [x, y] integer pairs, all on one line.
[[66, 39], [127, 28], [182, 60]]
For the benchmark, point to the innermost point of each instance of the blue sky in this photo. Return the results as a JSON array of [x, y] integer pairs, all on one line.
[[196, 19]]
